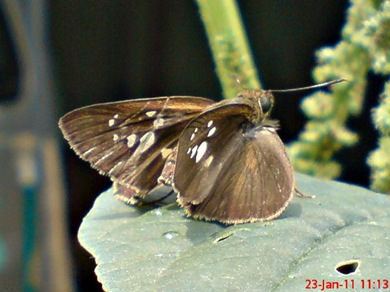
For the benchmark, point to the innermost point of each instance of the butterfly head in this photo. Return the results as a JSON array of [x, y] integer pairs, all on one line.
[[263, 101]]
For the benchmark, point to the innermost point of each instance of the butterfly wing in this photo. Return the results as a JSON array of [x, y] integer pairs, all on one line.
[[130, 140], [230, 171]]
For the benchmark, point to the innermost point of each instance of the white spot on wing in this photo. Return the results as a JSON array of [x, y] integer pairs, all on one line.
[[146, 141], [131, 140], [196, 130], [211, 132], [208, 161], [115, 137], [111, 122], [189, 150], [201, 151], [151, 113], [209, 123], [193, 151], [159, 122], [192, 136], [116, 116]]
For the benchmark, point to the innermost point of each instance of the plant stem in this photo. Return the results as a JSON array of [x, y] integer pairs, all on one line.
[[229, 45]]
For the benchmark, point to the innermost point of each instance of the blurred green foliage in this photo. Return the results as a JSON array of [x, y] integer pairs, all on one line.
[[365, 47]]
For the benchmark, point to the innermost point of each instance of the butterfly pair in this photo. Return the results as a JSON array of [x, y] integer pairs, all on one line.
[[224, 160]]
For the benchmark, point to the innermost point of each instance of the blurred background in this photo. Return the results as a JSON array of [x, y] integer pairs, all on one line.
[[59, 55]]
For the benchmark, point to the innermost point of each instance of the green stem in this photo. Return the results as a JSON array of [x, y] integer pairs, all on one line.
[[229, 45]]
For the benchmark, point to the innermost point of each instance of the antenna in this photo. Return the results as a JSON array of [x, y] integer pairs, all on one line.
[[310, 87]]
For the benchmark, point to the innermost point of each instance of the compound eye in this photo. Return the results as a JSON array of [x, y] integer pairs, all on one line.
[[266, 103]]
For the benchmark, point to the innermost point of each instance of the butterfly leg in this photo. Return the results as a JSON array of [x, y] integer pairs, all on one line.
[[302, 195]]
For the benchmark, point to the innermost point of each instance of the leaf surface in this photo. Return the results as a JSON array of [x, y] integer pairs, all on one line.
[[160, 249]]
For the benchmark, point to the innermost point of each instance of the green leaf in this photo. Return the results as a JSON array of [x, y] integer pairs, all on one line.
[[3, 254], [162, 250]]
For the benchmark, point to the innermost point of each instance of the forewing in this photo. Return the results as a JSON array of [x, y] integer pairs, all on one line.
[[249, 177], [203, 149], [130, 140]]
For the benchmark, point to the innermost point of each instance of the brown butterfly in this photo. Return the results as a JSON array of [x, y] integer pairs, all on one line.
[[225, 159]]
